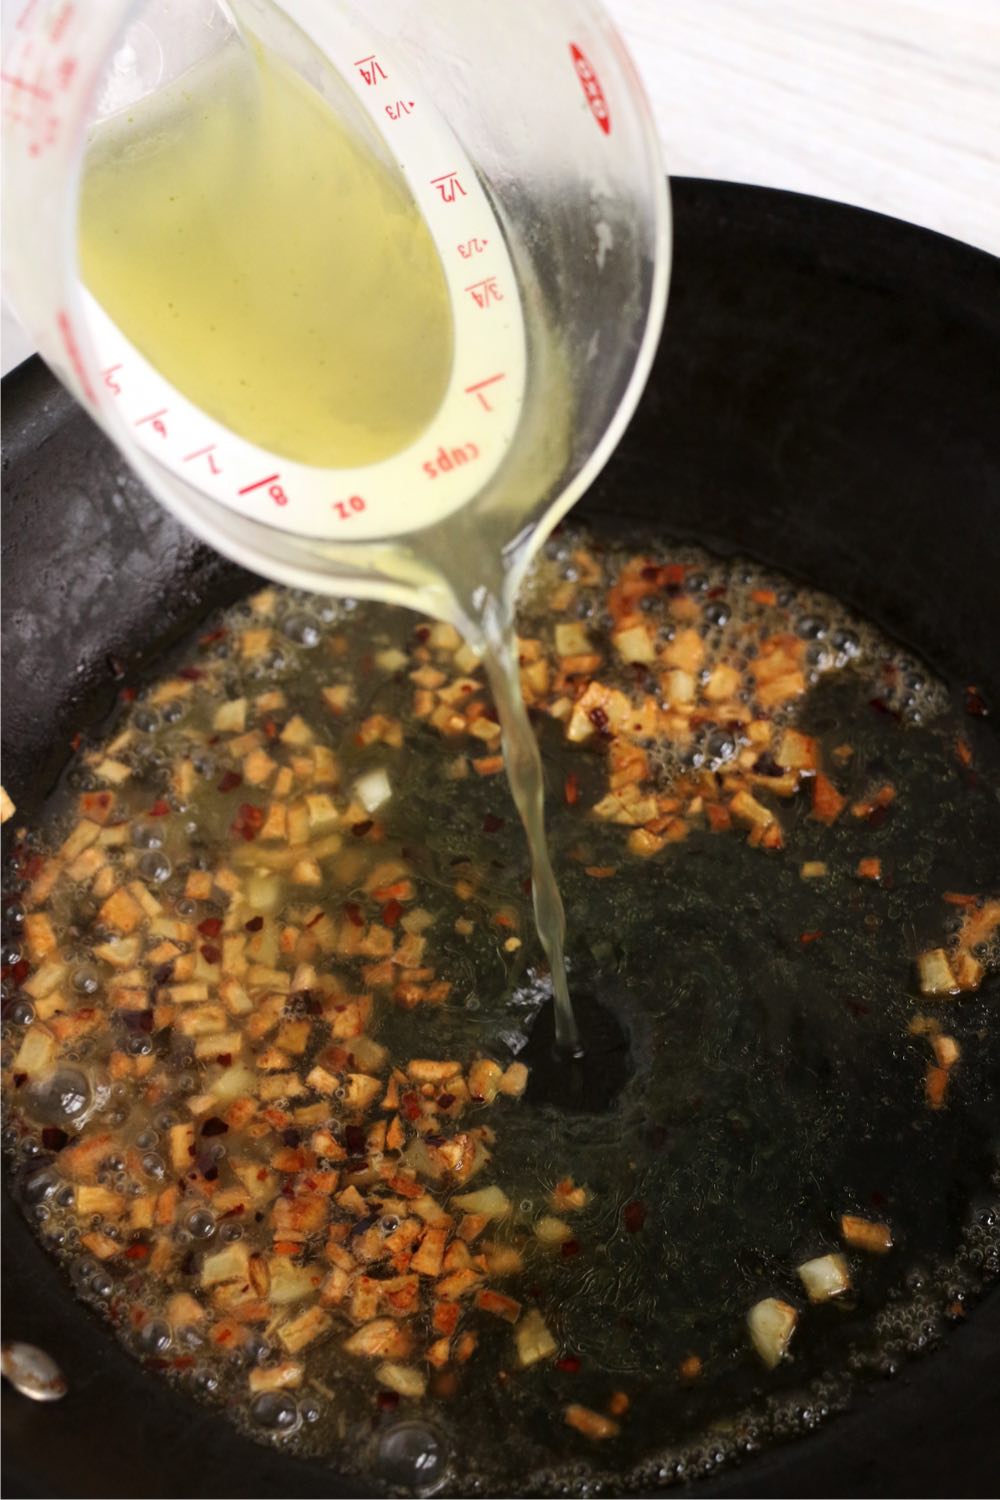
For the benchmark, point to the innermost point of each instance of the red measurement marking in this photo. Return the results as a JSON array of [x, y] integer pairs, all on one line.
[[66, 72], [591, 85], [352, 506], [484, 292], [73, 354], [27, 87], [447, 459], [400, 108], [61, 22], [370, 69], [448, 185], [155, 418], [275, 490], [110, 381], [26, 14], [479, 389], [475, 246], [205, 452]]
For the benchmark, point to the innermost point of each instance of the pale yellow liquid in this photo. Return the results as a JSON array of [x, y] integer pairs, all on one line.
[[263, 259]]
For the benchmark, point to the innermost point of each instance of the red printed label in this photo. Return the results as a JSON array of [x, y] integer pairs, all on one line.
[[591, 85]]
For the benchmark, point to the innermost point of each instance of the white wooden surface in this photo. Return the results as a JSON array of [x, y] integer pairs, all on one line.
[[890, 104]]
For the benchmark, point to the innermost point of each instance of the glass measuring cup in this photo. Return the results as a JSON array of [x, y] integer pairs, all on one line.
[[523, 136]]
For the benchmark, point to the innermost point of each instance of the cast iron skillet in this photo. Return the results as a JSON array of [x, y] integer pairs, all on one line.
[[825, 400]]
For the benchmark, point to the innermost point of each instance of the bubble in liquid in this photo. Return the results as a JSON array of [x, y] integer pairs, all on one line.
[[811, 628], [145, 719], [153, 1337], [172, 711], [847, 642], [147, 836], [275, 1410], [85, 981], [62, 1098], [719, 747], [22, 1012], [302, 629], [39, 1184], [201, 1224], [413, 1456], [153, 1164], [155, 866]]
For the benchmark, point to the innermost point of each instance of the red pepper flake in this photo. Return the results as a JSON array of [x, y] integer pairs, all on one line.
[[248, 821], [18, 972], [975, 703], [160, 808], [76, 741], [137, 1252], [445, 1101], [190, 674], [963, 752], [214, 1126], [211, 927], [387, 1400], [410, 1106], [183, 1362], [224, 1059], [210, 953], [569, 1364], [423, 633], [571, 789], [352, 911], [672, 574], [270, 729], [54, 1139], [492, 824], [569, 1248], [229, 781], [254, 924], [360, 829], [391, 912], [212, 636], [634, 1215], [128, 695], [809, 937], [599, 719]]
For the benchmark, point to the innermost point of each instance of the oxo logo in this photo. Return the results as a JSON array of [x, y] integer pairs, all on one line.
[[591, 85]]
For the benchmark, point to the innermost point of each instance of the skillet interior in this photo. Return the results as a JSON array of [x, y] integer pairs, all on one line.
[[824, 401]]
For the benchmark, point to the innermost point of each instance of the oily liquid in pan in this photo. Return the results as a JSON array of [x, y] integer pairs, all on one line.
[[773, 1084], [262, 258]]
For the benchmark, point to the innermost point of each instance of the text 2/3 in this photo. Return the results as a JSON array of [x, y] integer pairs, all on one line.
[[352, 506]]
